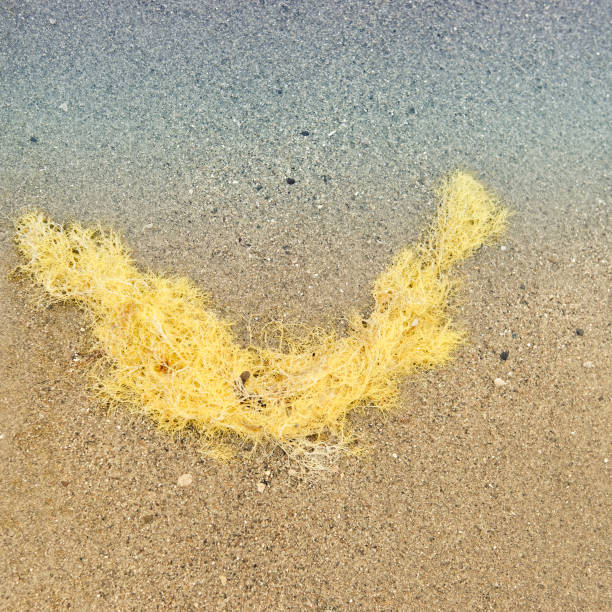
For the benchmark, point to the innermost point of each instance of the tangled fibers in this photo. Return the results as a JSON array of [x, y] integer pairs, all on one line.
[[168, 355]]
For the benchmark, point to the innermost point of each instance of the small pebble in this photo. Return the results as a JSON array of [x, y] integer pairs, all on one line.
[[588, 364], [261, 487], [305, 133], [499, 382], [580, 332], [290, 181], [185, 480], [223, 580], [504, 355]]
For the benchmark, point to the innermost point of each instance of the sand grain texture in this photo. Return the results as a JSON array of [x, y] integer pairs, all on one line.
[[179, 124]]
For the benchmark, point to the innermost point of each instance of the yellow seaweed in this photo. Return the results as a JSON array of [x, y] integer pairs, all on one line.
[[168, 355]]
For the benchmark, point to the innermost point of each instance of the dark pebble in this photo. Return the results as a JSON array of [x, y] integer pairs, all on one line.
[[411, 110], [290, 181], [504, 355], [305, 133], [33, 139], [580, 332]]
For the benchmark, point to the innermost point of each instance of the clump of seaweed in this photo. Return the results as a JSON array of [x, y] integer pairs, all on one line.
[[169, 356]]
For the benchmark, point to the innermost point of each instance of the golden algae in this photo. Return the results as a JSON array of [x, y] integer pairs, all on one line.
[[168, 355]]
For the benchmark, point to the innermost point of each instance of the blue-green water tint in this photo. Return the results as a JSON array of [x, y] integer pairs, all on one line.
[[143, 110]]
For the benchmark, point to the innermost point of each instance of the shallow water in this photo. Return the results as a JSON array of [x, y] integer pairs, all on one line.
[[151, 99]]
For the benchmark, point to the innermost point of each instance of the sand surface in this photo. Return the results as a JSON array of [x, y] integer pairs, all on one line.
[[179, 124]]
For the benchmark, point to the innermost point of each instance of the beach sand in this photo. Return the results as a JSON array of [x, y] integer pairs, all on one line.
[[180, 126]]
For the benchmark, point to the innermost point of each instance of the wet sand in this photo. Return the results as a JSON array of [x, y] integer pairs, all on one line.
[[473, 495]]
